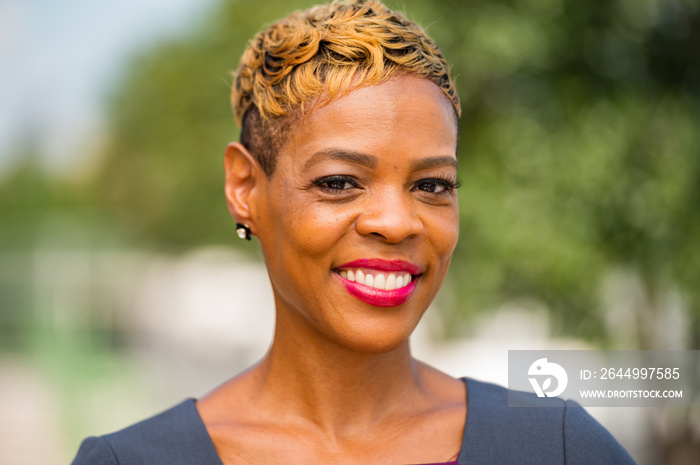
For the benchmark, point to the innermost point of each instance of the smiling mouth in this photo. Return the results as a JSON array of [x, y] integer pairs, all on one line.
[[375, 287], [383, 281], [379, 282]]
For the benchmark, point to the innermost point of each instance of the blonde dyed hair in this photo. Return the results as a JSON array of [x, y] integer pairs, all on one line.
[[323, 53]]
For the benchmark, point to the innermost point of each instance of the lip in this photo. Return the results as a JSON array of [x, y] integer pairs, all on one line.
[[381, 264], [380, 297]]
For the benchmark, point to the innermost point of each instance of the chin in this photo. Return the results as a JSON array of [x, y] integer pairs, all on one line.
[[371, 340]]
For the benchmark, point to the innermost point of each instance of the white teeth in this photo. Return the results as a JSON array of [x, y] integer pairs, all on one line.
[[390, 282], [380, 282], [383, 281]]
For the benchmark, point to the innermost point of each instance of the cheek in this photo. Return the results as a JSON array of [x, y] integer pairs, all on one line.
[[299, 249], [301, 229], [444, 232]]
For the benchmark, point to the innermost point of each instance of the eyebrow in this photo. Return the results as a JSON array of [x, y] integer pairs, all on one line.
[[371, 161], [433, 162], [357, 158]]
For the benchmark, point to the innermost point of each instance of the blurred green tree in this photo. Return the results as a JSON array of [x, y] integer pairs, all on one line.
[[579, 146]]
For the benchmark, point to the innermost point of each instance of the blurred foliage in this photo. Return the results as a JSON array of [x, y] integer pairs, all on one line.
[[40, 213], [171, 121], [579, 145], [579, 149]]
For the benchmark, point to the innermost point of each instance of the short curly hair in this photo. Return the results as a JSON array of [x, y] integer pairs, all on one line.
[[320, 54]]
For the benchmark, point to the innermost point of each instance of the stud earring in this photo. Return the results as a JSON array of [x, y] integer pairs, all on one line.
[[243, 231]]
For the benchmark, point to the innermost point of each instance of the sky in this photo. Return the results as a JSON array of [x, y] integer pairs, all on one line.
[[59, 58]]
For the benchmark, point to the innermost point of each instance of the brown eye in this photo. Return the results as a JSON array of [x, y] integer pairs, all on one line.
[[432, 187], [336, 183], [436, 185]]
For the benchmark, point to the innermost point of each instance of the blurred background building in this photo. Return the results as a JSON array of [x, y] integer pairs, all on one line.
[[123, 288]]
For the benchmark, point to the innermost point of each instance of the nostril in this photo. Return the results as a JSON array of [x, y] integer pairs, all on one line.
[[392, 226]]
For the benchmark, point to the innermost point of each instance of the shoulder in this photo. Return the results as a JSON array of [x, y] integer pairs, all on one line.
[[542, 431], [587, 442], [95, 451], [176, 436]]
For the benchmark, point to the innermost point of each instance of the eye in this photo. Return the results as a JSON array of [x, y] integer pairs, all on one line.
[[336, 183], [437, 185], [432, 187]]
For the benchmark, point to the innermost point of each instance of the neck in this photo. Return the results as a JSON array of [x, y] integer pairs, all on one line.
[[335, 387]]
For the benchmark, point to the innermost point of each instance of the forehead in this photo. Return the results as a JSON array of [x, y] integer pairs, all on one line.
[[404, 115]]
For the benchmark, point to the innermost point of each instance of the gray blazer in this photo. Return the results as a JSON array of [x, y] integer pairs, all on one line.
[[494, 434]]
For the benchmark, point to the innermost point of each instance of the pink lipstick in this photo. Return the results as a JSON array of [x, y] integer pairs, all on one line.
[[379, 282]]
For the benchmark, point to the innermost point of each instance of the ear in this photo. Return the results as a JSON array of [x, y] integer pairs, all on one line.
[[242, 175]]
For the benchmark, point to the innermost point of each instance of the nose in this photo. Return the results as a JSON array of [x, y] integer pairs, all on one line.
[[390, 215]]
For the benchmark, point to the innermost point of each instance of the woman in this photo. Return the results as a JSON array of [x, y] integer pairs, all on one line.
[[347, 173]]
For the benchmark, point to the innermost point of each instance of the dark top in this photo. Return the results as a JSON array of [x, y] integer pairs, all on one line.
[[493, 434]]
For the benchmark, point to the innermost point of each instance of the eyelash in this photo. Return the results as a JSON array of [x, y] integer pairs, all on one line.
[[335, 178], [450, 184]]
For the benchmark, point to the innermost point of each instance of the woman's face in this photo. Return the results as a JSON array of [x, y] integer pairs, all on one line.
[[359, 219]]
